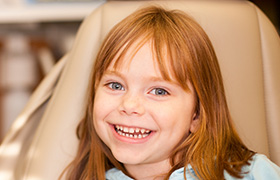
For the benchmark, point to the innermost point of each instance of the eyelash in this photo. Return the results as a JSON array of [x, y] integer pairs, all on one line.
[[165, 92], [111, 86], [154, 91]]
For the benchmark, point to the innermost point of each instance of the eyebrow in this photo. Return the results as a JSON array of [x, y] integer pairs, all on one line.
[[115, 73], [154, 79]]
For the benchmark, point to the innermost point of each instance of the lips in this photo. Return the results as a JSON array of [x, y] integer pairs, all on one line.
[[131, 132]]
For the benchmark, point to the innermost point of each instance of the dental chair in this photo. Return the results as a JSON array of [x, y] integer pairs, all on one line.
[[42, 140]]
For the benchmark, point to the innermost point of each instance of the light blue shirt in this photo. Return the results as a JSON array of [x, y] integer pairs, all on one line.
[[261, 168]]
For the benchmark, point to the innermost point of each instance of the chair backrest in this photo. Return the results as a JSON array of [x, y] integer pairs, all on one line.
[[42, 141]]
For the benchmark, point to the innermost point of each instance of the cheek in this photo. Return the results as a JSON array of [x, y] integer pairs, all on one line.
[[99, 124], [174, 116], [104, 106], [99, 111], [96, 110], [101, 105], [97, 119]]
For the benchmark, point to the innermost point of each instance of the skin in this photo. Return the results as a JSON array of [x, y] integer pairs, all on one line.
[[136, 97]]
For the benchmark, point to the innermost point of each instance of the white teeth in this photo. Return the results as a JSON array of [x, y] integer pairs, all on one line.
[[125, 129], [135, 133], [131, 130]]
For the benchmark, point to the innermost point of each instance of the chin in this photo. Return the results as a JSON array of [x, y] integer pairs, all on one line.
[[128, 159]]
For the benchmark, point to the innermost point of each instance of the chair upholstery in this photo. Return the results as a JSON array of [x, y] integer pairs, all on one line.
[[42, 140]]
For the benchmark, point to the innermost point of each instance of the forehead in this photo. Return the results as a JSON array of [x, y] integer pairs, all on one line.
[[130, 52], [143, 51], [137, 62]]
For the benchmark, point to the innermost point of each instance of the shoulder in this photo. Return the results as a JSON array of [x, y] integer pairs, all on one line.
[[260, 168]]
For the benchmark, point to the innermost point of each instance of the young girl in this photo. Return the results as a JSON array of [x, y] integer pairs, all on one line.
[[157, 108]]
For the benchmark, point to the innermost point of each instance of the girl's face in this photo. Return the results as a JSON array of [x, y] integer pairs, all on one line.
[[140, 116]]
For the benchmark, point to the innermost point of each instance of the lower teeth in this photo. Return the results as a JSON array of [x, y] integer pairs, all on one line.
[[135, 136]]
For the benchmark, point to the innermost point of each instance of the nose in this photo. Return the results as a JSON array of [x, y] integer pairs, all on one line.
[[132, 104]]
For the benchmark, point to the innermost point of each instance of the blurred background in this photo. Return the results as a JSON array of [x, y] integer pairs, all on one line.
[[35, 34]]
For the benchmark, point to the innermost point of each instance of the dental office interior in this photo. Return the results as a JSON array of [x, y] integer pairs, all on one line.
[[36, 34]]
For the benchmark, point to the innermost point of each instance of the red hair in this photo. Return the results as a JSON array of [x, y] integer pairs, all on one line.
[[215, 146]]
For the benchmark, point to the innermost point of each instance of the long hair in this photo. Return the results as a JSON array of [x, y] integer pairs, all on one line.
[[215, 145]]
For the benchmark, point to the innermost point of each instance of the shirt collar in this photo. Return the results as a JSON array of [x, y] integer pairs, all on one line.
[[116, 174]]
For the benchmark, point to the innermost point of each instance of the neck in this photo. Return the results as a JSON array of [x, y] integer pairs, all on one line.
[[154, 171]]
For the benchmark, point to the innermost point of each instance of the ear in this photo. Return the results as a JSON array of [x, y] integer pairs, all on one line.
[[194, 123]]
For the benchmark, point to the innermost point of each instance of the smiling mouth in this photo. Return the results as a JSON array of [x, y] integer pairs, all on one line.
[[136, 133]]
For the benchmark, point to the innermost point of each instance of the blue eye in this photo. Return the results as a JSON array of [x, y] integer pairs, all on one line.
[[159, 92], [116, 86]]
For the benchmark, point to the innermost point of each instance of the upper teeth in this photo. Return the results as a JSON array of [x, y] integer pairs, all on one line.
[[132, 132]]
